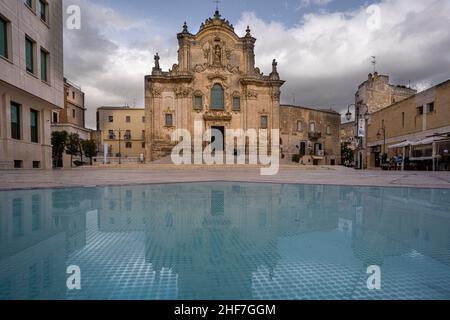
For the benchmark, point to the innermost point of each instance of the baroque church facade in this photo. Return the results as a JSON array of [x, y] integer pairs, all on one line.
[[216, 82]]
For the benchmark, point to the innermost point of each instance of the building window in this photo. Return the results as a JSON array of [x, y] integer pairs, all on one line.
[[3, 38], [29, 54], [18, 164], [55, 117], [111, 134], [127, 119], [29, 3], [128, 145], [74, 113], [73, 95], [264, 122], [198, 102], [34, 125], [44, 65], [143, 119], [15, 121], [403, 119], [217, 97], [302, 148], [328, 129], [143, 145], [128, 135], [420, 110], [430, 107], [36, 164], [111, 119], [169, 120], [236, 103], [312, 127], [43, 10], [299, 125]]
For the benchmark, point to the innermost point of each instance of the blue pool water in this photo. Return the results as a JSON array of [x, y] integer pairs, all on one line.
[[225, 241]]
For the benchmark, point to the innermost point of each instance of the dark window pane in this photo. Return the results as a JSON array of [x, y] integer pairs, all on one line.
[[169, 120], [198, 102], [264, 123], [15, 121], [3, 38], [43, 10], [236, 103], [34, 126], [44, 60], [217, 97], [29, 55]]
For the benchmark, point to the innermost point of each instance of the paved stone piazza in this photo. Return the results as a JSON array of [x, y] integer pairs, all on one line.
[[167, 173]]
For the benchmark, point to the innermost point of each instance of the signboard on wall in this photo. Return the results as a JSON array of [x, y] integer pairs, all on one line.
[[361, 128]]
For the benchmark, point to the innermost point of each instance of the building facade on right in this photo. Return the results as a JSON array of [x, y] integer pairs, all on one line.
[[416, 130], [374, 94]]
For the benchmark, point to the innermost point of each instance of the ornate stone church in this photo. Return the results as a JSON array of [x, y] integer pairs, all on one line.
[[216, 82]]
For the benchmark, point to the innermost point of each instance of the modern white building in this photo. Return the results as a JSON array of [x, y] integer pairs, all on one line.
[[31, 80]]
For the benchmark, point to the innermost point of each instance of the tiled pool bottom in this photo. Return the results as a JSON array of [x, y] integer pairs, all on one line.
[[225, 241]]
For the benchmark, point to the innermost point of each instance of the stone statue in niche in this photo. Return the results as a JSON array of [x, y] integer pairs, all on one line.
[[217, 60]]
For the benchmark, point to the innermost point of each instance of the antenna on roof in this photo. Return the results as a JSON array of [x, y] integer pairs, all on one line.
[[374, 63]]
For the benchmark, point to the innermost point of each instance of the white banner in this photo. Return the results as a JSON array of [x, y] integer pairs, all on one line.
[[361, 128]]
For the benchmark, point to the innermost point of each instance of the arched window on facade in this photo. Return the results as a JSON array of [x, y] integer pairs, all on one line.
[[217, 97]]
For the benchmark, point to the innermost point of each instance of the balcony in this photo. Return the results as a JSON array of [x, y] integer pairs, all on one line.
[[315, 135]]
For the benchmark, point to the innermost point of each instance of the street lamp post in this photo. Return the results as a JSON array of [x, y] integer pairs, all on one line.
[[120, 138], [362, 141], [383, 129]]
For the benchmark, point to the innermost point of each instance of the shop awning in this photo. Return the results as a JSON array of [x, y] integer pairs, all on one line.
[[400, 145], [427, 141]]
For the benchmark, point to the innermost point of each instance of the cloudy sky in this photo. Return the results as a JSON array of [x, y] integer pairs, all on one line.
[[323, 47]]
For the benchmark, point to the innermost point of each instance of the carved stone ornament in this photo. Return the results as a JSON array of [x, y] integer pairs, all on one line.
[[217, 116], [181, 92], [251, 94], [156, 92]]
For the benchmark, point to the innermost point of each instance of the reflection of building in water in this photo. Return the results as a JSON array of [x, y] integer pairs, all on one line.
[[214, 240], [32, 262], [34, 226], [225, 240], [391, 214], [69, 213]]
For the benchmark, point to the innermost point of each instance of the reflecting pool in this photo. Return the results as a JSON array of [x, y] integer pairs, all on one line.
[[225, 241]]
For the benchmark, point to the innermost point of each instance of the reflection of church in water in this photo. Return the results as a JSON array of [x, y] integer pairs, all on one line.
[[219, 240]]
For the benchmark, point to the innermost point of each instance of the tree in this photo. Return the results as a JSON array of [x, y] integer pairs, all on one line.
[[89, 149], [59, 142], [347, 153], [73, 146]]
